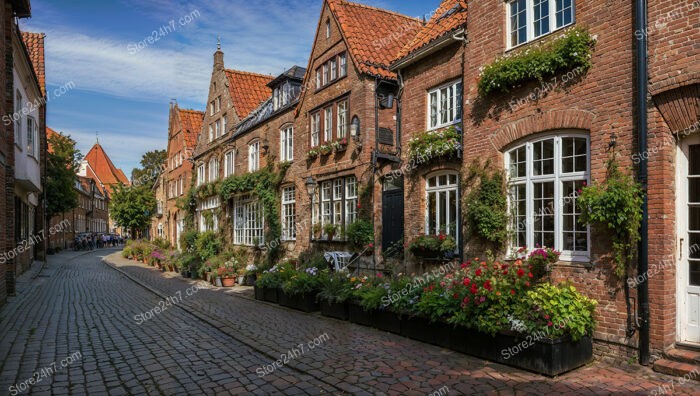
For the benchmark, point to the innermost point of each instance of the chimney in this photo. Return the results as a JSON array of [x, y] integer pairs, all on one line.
[[218, 56]]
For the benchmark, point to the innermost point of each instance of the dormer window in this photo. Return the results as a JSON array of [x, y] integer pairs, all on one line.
[[276, 98]]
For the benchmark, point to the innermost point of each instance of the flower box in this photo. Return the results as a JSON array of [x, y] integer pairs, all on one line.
[[422, 329], [382, 320], [541, 355], [259, 293], [266, 294], [250, 279], [335, 310], [305, 302]]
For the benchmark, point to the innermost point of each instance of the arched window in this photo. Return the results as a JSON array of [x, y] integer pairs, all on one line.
[[545, 177], [442, 207]]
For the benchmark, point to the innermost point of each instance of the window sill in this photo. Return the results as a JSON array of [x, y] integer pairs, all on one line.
[[538, 39], [330, 83], [445, 126]]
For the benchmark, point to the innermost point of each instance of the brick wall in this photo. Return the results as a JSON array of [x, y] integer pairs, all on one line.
[[7, 233]]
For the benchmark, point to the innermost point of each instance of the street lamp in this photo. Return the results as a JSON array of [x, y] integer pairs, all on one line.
[[355, 128], [311, 190]]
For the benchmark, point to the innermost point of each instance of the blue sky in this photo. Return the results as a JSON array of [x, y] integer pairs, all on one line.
[[124, 93]]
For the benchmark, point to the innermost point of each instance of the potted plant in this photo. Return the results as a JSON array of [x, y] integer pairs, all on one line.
[[250, 274], [325, 149], [425, 246], [241, 276], [541, 260], [330, 230], [300, 290], [340, 145], [317, 229], [335, 291], [312, 154], [271, 280]]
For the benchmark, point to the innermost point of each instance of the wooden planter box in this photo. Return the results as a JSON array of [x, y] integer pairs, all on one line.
[[422, 329], [382, 320], [301, 302], [543, 355], [259, 293], [266, 294], [335, 310]]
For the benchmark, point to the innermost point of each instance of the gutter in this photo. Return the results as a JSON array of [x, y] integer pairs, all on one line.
[[642, 78], [429, 49]]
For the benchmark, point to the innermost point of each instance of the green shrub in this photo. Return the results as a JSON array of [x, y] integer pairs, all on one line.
[[360, 234], [276, 276], [207, 245], [188, 240], [335, 288], [487, 206], [305, 281]]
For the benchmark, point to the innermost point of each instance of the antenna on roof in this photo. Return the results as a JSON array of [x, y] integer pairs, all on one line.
[[218, 43], [97, 136]]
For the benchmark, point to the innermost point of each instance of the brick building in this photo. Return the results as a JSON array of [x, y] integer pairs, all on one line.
[[159, 223], [183, 128]]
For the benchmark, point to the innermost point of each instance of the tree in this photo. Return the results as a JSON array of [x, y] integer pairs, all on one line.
[[132, 207], [153, 164], [61, 174]]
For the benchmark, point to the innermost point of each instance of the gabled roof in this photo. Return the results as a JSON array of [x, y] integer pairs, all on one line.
[[191, 122], [448, 18], [35, 46], [102, 169], [248, 90], [374, 36]]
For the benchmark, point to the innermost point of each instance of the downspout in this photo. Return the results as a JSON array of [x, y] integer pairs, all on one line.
[[642, 76]]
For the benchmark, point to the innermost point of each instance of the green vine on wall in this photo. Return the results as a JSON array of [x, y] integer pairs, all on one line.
[[486, 204], [615, 204], [571, 50]]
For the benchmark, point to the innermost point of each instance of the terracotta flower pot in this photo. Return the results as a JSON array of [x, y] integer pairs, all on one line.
[[228, 282]]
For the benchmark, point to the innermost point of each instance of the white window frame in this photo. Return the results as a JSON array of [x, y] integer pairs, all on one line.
[[453, 100], [325, 74], [328, 124], [530, 21], [289, 232], [248, 220], [229, 163], [32, 146], [287, 143], [342, 128], [217, 128], [315, 129], [218, 104], [334, 71], [254, 156], [18, 121], [201, 174], [223, 124], [558, 178], [449, 188], [337, 204], [318, 78], [328, 28], [213, 169], [211, 132], [343, 64]]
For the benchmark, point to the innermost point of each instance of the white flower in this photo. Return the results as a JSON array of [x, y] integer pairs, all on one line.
[[251, 268]]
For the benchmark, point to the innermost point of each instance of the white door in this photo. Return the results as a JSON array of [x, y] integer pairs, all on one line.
[[688, 214]]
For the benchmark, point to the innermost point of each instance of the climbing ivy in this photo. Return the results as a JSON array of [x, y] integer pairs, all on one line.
[[486, 204]]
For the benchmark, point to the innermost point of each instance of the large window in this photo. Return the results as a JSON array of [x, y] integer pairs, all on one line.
[[248, 221], [229, 159], [442, 205], [201, 174], [287, 144], [208, 219], [254, 156], [337, 204], [445, 105], [315, 129], [289, 231], [545, 176], [342, 119], [213, 169], [530, 19]]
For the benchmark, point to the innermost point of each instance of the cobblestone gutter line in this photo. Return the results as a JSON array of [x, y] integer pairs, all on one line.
[[217, 325]]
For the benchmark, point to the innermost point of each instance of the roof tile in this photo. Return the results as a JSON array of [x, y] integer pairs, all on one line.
[[248, 90], [191, 121], [35, 46], [451, 15], [104, 170]]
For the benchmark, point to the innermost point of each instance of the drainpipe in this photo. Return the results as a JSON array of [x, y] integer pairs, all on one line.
[[642, 75]]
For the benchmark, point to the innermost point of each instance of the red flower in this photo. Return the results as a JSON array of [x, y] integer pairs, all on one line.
[[359, 206], [505, 272], [463, 266], [380, 275], [455, 296], [478, 272], [466, 281], [546, 317], [504, 266], [521, 272], [474, 290], [512, 291], [371, 245], [487, 285], [529, 274], [527, 284], [549, 324]]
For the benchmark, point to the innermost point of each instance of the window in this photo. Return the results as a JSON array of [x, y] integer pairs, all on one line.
[[289, 232], [287, 144], [315, 129], [318, 79], [343, 65], [217, 128], [342, 119], [228, 163], [334, 71], [217, 102], [328, 28], [213, 169], [248, 221], [442, 205], [211, 132], [254, 157], [18, 121], [328, 124], [445, 105], [530, 19], [182, 185], [223, 124], [201, 175], [208, 219], [32, 148], [337, 204], [325, 74], [286, 93], [545, 176], [211, 108], [276, 99]]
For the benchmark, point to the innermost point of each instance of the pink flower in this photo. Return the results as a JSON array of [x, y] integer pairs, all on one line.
[[549, 324]]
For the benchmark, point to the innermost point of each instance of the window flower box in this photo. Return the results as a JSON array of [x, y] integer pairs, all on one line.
[[335, 310], [305, 302], [312, 154], [431, 145], [340, 145], [325, 149]]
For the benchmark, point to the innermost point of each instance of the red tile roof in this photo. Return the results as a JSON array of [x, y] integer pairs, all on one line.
[[103, 170], [49, 134], [450, 16], [191, 122], [374, 36], [248, 90], [35, 46]]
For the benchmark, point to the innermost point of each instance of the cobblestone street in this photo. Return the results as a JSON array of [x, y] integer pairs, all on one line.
[[214, 343]]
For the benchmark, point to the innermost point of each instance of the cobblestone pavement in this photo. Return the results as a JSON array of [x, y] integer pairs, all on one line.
[[360, 360], [81, 310]]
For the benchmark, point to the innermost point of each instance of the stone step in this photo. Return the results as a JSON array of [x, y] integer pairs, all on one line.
[[678, 369], [684, 356]]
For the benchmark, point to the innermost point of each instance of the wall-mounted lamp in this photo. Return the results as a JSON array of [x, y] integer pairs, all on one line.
[[355, 128], [613, 141], [264, 147], [311, 186]]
